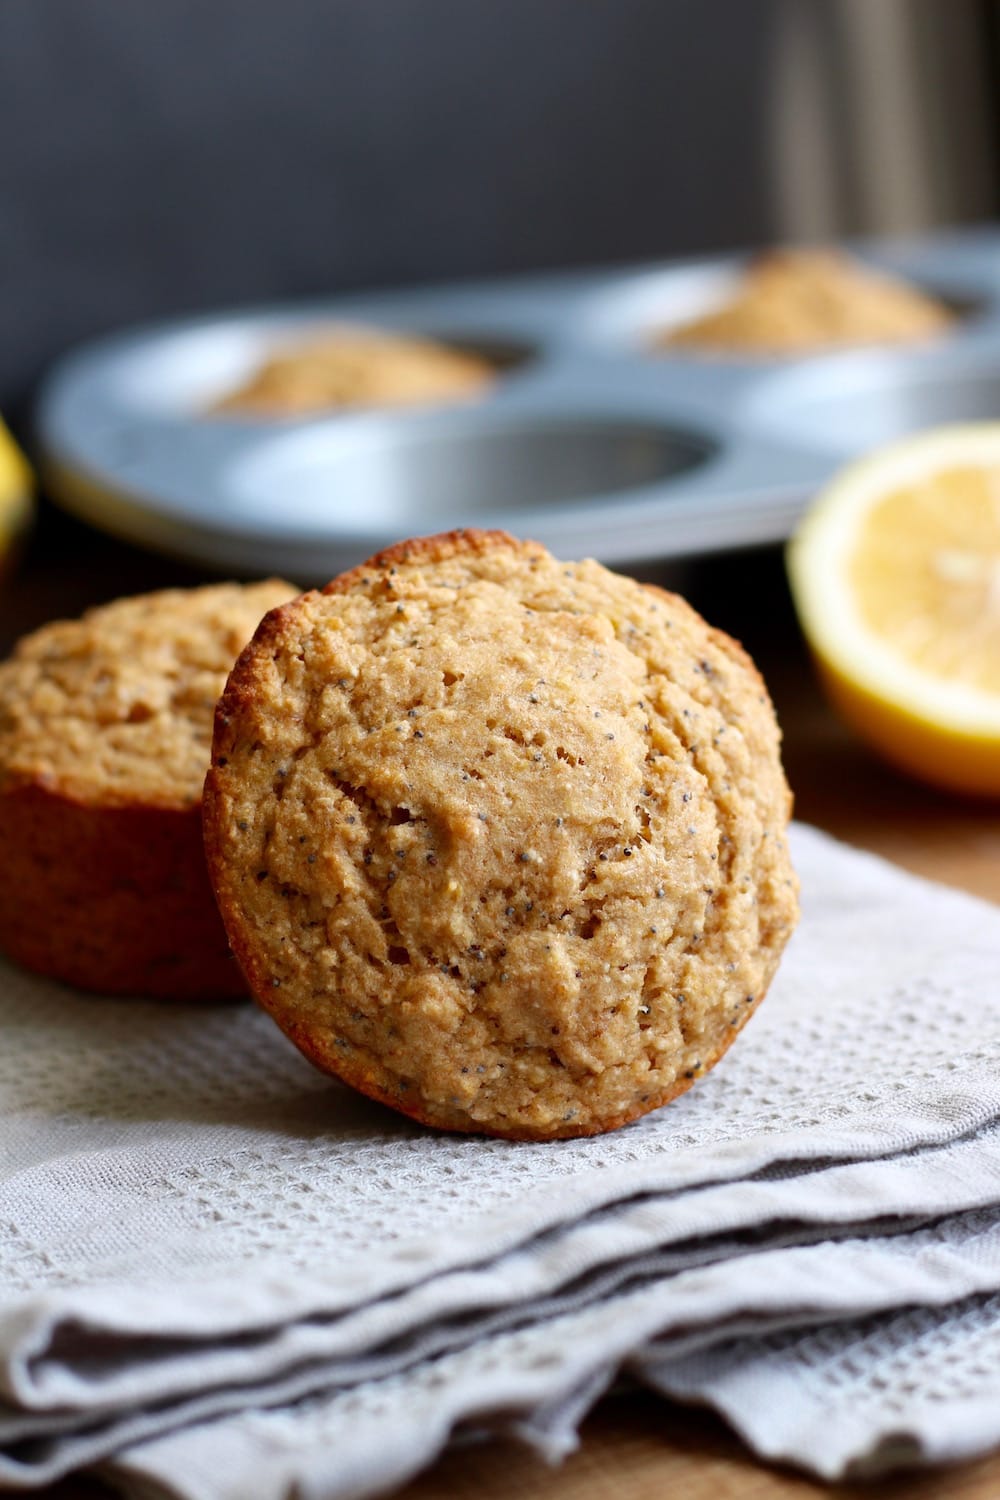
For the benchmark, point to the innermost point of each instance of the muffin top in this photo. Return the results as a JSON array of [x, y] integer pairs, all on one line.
[[356, 367], [116, 708], [798, 301], [500, 840]]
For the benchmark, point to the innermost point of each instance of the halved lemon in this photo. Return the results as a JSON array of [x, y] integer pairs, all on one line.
[[895, 573], [15, 491]]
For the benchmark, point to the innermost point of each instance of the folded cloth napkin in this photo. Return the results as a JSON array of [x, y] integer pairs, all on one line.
[[215, 1263], [851, 1397]]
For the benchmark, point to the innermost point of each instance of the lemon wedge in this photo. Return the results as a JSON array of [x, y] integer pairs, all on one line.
[[895, 573], [15, 491]]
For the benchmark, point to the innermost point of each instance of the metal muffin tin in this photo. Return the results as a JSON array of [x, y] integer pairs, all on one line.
[[591, 440]]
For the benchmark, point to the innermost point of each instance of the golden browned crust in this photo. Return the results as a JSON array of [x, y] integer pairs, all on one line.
[[471, 541], [111, 899], [105, 726], [457, 891]]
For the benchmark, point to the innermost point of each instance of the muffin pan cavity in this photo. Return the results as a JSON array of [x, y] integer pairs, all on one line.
[[449, 474], [590, 439], [183, 375], [846, 405]]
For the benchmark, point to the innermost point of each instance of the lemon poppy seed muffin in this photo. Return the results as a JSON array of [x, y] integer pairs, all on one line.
[[500, 840], [804, 301], [105, 733]]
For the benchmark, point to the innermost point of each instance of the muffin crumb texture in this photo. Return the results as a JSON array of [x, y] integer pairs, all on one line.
[[116, 707], [500, 840]]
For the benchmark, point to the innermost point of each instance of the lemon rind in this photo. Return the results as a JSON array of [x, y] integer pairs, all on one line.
[[817, 558]]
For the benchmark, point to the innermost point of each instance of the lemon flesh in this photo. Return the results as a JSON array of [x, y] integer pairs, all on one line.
[[896, 577], [15, 490]]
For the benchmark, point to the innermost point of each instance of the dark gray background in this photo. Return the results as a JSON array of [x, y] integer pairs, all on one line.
[[164, 155]]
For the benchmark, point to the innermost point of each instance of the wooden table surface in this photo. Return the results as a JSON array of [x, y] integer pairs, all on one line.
[[637, 1447]]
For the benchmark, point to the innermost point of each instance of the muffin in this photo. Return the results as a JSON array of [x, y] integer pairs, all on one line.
[[500, 840], [803, 301], [105, 731], [357, 367]]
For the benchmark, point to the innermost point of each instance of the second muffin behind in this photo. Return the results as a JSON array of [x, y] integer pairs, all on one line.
[[105, 728]]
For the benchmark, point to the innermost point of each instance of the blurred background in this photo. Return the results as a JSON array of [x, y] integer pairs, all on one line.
[[159, 159], [169, 159]]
